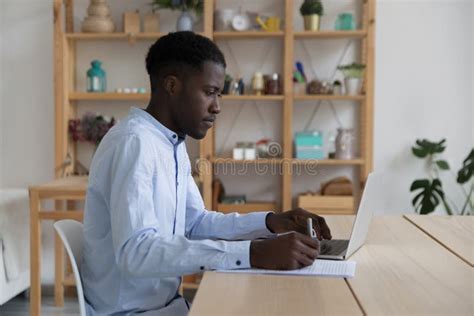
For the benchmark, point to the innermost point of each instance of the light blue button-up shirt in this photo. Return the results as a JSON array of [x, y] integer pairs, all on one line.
[[145, 223]]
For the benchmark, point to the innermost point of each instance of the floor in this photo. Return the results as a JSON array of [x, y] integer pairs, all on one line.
[[19, 306]]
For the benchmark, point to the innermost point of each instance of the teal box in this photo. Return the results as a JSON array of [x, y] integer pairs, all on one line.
[[308, 145], [314, 152], [313, 138]]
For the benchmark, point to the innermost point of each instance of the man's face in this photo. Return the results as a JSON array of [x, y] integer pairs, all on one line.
[[197, 104]]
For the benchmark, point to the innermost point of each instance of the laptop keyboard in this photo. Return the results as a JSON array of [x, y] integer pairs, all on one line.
[[333, 247]]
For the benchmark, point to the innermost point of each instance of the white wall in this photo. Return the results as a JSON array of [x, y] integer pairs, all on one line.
[[424, 88], [424, 84]]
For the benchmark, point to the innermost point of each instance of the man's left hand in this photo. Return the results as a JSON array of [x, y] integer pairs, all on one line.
[[295, 220]]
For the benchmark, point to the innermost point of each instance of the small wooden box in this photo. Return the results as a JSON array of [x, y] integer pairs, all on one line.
[[246, 207], [131, 22], [327, 204], [151, 23]]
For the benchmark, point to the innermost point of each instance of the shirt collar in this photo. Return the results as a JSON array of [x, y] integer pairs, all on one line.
[[174, 138]]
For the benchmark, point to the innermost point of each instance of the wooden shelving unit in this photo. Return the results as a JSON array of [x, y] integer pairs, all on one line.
[[67, 98]]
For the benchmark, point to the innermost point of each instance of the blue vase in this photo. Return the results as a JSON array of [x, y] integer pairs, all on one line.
[[185, 22], [96, 77]]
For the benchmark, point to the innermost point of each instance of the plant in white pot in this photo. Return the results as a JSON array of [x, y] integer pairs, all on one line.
[[312, 10], [185, 20], [353, 77]]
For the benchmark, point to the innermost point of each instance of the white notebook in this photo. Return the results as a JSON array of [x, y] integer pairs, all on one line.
[[330, 268]]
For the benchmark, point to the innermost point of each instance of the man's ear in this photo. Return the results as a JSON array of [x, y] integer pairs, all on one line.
[[172, 85]]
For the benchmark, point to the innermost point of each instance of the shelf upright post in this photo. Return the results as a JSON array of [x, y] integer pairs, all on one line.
[[367, 108], [206, 146], [287, 166]]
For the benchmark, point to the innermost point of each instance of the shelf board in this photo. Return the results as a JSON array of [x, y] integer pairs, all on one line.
[[331, 34], [108, 96], [247, 35], [114, 36], [114, 96], [303, 97], [246, 207], [328, 162], [221, 161], [251, 97]]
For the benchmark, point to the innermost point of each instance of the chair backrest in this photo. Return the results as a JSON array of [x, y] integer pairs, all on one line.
[[72, 236]]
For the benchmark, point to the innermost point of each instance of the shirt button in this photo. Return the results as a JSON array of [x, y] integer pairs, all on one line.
[[238, 262], [202, 268], [174, 136]]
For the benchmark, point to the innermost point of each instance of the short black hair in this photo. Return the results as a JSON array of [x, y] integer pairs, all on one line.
[[178, 51]]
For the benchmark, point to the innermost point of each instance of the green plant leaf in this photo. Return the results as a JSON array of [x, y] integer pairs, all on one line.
[[429, 196], [467, 171], [309, 7], [442, 164], [425, 147], [419, 152]]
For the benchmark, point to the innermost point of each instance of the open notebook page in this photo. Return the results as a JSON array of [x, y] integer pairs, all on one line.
[[330, 268]]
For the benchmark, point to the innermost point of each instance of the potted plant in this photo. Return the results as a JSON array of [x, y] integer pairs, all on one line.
[[353, 77], [312, 10], [185, 20], [429, 192]]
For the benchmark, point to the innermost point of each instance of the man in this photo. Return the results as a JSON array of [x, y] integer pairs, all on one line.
[[145, 224]]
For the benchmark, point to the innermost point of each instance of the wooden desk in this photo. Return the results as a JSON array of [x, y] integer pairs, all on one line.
[[400, 271], [60, 191], [456, 233]]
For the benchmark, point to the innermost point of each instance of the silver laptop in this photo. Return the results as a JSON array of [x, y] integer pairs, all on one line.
[[341, 249]]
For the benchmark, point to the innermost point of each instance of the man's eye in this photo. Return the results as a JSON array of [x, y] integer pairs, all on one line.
[[209, 93]]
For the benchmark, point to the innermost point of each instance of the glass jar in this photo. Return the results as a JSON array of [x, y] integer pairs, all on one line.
[[273, 84], [257, 83], [250, 152], [238, 153], [345, 144], [96, 78], [345, 22], [331, 145]]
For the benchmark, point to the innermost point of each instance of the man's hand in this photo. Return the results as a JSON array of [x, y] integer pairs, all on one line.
[[295, 220], [285, 252]]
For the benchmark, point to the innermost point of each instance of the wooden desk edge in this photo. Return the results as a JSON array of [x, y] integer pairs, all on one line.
[[407, 217]]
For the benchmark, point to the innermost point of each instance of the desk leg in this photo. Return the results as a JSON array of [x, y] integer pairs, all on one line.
[[58, 265], [35, 254]]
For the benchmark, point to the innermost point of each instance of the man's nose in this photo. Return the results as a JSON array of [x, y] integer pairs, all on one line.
[[215, 106]]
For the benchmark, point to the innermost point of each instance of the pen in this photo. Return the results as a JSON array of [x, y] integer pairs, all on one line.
[[309, 226]]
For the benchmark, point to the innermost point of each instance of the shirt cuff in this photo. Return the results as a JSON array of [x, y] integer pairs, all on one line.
[[255, 225], [235, 256]]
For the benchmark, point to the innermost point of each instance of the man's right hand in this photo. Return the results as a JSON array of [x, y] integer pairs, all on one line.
[[286, 252]]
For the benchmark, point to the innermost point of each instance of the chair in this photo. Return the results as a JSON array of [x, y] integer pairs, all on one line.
[[72, 237]]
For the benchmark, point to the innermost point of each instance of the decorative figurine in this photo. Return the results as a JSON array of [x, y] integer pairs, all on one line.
[[99, 19]]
